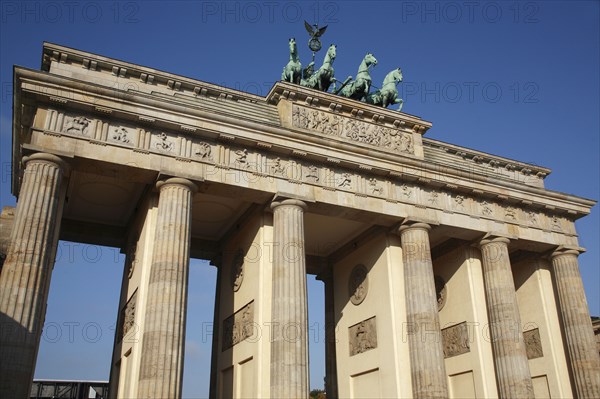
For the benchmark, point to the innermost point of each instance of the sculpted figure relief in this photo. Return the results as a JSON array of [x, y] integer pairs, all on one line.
[[120, 134], [237, 271], [455, 340], [533, 343], [358, 284], [346, 180], [238, 326], [77, 125], [363, 336], [353, 129], [313, 173], [204, 151], [164, 143], [128, 315], [375, 187], [440, 291]]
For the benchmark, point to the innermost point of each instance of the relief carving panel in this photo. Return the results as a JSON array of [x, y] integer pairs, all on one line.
[[128, 316], [362, 336], [533, 343], [358, 284], [238, 326], [353, 129], [122, 135], [237, 271], [76, 125], [455, 340]]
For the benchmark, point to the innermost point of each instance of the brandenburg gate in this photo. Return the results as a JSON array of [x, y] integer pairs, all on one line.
[[448, 272]]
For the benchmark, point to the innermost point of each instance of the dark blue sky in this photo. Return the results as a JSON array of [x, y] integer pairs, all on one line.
[[516, 79]]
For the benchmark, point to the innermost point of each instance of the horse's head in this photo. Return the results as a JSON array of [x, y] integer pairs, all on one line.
[[331, 51], [292, 43], [397, 75], [370, 59]]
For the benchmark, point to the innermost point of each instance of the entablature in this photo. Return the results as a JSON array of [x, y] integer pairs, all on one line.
[[148, 125], [322, 113]]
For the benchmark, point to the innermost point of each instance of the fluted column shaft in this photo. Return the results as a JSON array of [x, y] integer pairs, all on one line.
[[424, 336], [161, 372], [581, 346], [510, 357], [25, 278], [289, 347]]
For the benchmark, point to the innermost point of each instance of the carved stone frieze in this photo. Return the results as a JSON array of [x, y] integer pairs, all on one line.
[[204, 151], [353, 129], [345, 180], [407, 191], [163, 142], [238, 326], [241, 158], [532, 217], [375, 187], [455, 340], [533, 343], [510, 213], [434, 198], [459, 202], [555, 223], [128, 316], [76, 125], [358, 284], [362, 336], [486, 208], [329, 176], [121, 134], [278, 167], [312, 174]]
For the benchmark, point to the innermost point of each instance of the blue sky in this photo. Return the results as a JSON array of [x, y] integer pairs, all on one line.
[[516, 79]]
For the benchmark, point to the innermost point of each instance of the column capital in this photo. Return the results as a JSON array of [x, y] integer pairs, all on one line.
[[414, 225], [296, 202], [491, 239], [561, 251], [46, 157], [177, 181]]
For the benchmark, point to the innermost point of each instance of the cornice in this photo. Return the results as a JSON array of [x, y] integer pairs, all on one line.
[[481, 157], [62, 54]]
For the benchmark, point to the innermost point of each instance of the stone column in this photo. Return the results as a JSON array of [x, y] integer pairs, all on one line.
[[424, 336], [161, 372], [289, 346], [577, 325], [330, 354], [25, 278], [510, 356]]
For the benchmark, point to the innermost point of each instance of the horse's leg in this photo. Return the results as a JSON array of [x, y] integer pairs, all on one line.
[[399, 101]]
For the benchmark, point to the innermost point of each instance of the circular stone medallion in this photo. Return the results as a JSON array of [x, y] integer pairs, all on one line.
[[358, 285], [237, 271], [440, 291]]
